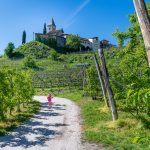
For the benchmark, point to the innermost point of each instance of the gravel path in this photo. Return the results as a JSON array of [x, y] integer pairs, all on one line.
[[57, 128]]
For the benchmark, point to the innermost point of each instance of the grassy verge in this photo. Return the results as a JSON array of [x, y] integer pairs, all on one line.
[[127, 133], [18, 118]]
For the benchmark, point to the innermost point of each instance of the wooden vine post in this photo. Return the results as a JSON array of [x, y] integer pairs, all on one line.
[[107, 84], [144, 22], [102, 84]]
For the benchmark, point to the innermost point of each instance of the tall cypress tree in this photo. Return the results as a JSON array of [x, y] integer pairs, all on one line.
[[24, 37], [44, 29]]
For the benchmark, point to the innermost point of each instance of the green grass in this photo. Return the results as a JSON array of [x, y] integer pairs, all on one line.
[[46, 64], [127, 133], [18, 118]]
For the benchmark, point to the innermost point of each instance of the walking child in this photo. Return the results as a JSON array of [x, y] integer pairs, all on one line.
[[49, 98]]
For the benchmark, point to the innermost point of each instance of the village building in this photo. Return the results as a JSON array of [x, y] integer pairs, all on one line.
[[53, 33], [60, 37]]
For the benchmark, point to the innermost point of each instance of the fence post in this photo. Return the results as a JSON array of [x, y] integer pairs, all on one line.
[[102, 84], [108, 86]]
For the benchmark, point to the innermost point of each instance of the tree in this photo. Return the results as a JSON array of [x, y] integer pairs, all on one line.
[[121, 36], [44, 29], [9, 49], [16, 89], [24, 37], [144, 22], [73, 41]]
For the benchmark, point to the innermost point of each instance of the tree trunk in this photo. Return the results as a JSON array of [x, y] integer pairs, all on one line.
[[10, 111], [102, 84], [108, 86], [18, 107], [144, 22]]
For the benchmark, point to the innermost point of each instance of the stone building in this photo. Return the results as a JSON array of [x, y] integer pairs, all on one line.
[[91, 43], [53, 33], [60, 37]]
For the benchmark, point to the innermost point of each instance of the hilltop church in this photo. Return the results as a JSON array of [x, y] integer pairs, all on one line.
[[60, 37], [52, 32]]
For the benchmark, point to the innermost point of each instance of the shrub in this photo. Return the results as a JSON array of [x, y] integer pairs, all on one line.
[[53, 55], [29, 62], [62, 57]]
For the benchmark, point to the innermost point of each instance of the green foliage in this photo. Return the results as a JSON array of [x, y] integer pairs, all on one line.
[[128, 68], [53, 55], [24, 37], [9, 49], [139, 100], [92, 86], [73, 41], [133, 35], [29, 62], [63, 58], [130, 77], [121, 36], [15, 88], [34, 49], [50, 42]]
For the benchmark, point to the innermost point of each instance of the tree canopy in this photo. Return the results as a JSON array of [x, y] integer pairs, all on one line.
[[9, 49], [73, 41]]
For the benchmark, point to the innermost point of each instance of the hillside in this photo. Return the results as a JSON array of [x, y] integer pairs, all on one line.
[[34, 48]]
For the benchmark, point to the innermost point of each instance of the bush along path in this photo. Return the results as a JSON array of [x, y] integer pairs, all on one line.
[[55, 128]]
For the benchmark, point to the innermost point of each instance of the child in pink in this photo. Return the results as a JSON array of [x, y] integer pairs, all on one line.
[[49, 98]]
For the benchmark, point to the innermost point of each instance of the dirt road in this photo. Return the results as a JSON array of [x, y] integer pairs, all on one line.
[[57, 128]]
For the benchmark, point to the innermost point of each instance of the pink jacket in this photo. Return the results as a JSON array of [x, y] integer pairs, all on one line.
[[49, 98]]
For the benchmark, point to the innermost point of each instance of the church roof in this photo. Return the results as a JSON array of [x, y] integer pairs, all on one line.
[[56, 32], [52, 22]]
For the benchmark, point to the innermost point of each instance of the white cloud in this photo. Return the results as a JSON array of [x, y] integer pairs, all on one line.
[[69, 21]]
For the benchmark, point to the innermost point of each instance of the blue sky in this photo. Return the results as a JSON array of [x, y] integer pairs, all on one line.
[[87, 18]]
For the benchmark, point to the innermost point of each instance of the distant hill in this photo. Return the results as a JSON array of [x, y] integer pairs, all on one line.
[[34, 48]]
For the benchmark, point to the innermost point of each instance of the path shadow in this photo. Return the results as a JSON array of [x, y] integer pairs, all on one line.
[[59, 125], [19, 137], [35, 128]]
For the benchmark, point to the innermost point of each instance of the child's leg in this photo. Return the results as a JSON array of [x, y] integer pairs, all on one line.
[[49, 104]]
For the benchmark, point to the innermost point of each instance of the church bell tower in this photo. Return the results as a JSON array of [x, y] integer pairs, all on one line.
[[51, 26]]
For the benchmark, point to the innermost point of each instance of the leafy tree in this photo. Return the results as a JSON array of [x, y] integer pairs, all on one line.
[[121, 36], [24, 37], [15, 89], [44, 29], [73, 41], [132, 59], [128, 69], [9, 49], [133, 35]]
